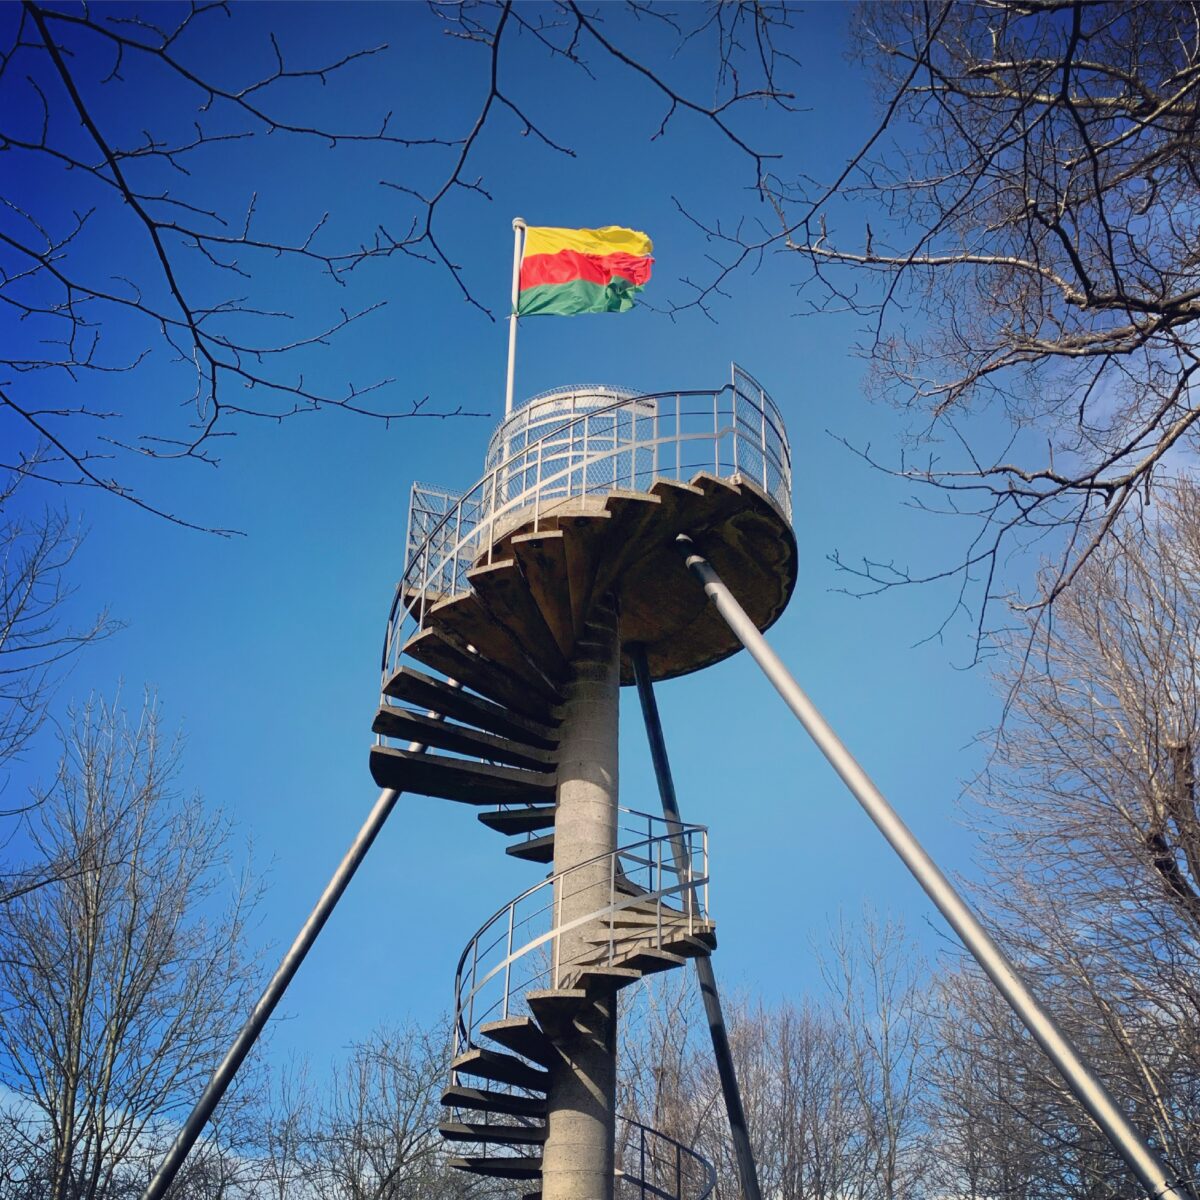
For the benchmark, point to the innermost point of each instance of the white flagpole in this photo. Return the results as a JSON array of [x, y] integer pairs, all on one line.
[[518, 245]]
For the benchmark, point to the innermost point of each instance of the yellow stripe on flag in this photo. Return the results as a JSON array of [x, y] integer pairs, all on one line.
[[611, 239]]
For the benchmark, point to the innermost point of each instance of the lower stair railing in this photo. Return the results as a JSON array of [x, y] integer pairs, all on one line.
[[653, 1166], [651, 912], [650, 903]]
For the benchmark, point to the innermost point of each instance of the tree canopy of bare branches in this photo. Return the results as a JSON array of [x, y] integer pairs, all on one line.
[[1018, 233], [1092, 834], [122, 979], [123, 267], [834, 1086], [36, 634]]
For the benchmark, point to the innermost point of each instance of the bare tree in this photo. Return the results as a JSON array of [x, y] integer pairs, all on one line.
[[122, 980], [36, 635], [374, 1136], [877, 978], [153, 271], [283, 1151], [1092, 827], [1019, 234], [833, 1087]]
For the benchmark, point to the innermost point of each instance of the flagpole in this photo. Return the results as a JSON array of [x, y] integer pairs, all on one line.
[[518, 245]]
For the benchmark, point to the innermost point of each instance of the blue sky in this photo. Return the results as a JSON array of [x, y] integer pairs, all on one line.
[[264, 648]]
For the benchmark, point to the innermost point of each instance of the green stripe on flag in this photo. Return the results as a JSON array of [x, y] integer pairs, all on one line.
[[578, 296]]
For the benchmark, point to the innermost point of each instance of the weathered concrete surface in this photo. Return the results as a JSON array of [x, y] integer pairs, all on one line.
[[577, 1158], [577, 1162]]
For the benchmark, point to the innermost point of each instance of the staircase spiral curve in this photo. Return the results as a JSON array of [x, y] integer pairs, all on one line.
[[518, 980], [507, 593]]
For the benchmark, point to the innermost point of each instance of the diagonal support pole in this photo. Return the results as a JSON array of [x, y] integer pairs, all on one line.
[[1083, 1082], [228, 1067], [743, 1152]]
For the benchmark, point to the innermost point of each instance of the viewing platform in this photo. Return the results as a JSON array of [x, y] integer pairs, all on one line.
[[584, 492]]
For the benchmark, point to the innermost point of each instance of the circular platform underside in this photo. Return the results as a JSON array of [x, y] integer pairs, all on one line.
[[624, 543]]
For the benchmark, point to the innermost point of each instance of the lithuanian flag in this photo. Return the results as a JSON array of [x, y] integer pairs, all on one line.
[[569, 271]]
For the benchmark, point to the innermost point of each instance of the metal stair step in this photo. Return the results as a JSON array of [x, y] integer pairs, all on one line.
[[633, 514], [457, 778], [484, 1100], [634, 919], [466, 620], [500, 1168], [433, 648], [673, 942], [592, 977], [554, 1007], [682, 503], [543, 559], [726, 497], [520, 820], [539, 849], [404, 724], [639, 927], [523, 1036], [501, 1068], [649, 960], [505, 594], [484, 1131], [584, 546], [426, 691]]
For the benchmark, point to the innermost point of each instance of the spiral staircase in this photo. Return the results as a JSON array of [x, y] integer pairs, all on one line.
[[505, 599]]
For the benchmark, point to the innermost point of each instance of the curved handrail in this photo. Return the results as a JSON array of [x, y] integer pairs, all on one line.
[[745, 429], [508, 466], [652, 866], [651, 1159], [770, 411]]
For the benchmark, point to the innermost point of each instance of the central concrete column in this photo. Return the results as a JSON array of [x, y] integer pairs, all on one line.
[[577, 1159]]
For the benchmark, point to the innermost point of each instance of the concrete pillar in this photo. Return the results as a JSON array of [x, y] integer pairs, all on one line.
[[577, 1159]]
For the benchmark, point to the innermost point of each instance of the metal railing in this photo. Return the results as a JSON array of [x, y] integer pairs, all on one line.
[[735, 432], [522, 947], [651, 1164], [540, 413]]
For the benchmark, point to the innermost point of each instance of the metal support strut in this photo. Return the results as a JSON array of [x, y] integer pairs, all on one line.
[[1084, 1084], [222, 1077], [743, 1152]]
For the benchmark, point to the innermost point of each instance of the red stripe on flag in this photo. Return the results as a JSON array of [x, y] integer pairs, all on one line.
[[569, 265]]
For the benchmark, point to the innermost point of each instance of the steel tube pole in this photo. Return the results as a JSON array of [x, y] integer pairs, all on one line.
[[222, 1077], [738, 1129], [1084, 1084], [518, 246]]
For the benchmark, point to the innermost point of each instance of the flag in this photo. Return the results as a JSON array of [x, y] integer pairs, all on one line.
[[569, 271]]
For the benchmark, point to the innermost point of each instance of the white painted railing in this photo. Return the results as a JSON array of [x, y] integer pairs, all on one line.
[[735, 432], [520, 948]]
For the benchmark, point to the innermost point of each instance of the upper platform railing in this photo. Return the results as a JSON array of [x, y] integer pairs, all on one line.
[[735, 432]]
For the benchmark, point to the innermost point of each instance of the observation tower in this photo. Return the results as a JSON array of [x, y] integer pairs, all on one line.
[[594, 552], [525, 603]]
